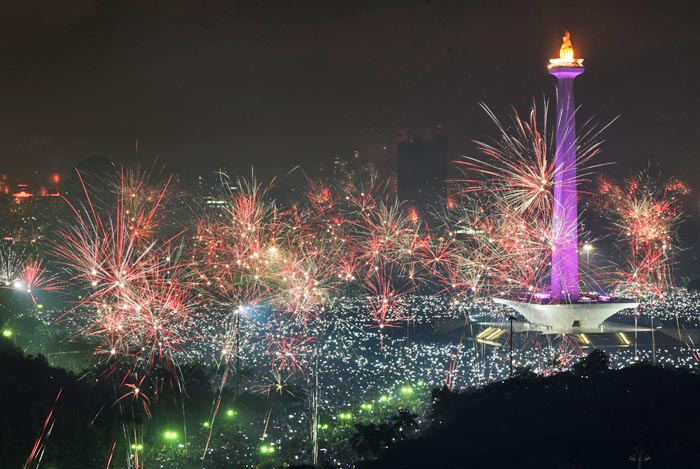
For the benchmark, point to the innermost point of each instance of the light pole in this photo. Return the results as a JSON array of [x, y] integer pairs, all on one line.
[[587, 248], [511, 319], [240, 310], [636, 322]]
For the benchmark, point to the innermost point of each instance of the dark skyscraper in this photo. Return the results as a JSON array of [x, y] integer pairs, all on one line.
[[422, 171]]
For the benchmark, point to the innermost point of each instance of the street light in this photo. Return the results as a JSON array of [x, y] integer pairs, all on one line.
[[587, 248]]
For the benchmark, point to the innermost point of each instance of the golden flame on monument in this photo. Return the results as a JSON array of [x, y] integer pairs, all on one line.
[[566, 54]]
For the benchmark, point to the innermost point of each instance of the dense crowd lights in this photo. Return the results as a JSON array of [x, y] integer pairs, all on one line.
[[365, 375], [356, 371]]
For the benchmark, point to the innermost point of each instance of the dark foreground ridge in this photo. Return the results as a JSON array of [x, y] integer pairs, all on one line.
[[30, 390], [591, 418]]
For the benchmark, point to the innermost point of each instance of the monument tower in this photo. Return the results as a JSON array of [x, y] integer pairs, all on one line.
[[563, 310], [564, 280]]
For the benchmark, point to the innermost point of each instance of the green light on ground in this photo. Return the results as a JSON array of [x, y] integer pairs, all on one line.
[[230, 413], [40, 306], [366, 406], [407, 390], [384, 398], [170, 435], [7, 333], [205, 424], [323, 426], [345, 416], [137, 447], [267, 449]]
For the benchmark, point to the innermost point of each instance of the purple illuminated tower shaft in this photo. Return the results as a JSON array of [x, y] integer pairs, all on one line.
[[564, 220]]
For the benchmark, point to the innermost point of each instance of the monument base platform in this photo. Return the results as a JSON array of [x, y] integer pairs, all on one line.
[[566, 318]]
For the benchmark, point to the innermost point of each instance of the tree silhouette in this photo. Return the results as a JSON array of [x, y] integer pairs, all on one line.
[[524, 373], [442, 400], [613, 412], [404, 423], [594, 363], [371, 439]]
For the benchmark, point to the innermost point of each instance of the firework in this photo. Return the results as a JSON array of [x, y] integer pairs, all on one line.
[[505, 221], [34, 277], [258, 256], [12, 258], [136, 303], [518, 167], [645, 213]]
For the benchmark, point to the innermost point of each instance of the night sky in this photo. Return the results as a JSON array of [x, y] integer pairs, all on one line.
[[202, 84]]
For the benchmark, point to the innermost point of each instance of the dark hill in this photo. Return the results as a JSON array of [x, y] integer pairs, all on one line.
[[562, 422], [30, 390]]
